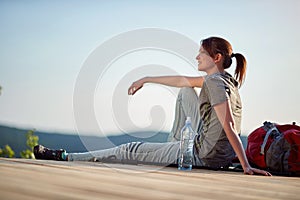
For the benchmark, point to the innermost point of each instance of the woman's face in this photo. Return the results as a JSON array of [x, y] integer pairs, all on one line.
[[205, 62]]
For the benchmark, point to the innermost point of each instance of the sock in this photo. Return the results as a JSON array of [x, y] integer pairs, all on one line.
[[64, 155]]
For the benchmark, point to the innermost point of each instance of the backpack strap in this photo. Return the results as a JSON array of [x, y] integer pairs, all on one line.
[[271, 129]]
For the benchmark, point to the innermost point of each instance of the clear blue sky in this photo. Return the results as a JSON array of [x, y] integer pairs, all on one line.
[[45, 43]]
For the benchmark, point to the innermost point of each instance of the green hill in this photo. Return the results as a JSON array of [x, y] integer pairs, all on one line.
[[16, 139]]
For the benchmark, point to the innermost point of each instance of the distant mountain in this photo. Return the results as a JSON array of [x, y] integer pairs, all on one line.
[[16, 139]]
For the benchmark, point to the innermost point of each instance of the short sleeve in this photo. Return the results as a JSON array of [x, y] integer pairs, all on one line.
[[217, 90]]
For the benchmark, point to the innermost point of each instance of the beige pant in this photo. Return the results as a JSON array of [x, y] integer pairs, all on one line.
[[153, 153]]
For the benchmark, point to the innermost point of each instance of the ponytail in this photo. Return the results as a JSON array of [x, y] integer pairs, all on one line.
[[241, 66]]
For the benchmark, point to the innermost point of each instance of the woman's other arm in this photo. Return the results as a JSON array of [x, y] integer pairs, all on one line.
[[174, 81], [225, 116]]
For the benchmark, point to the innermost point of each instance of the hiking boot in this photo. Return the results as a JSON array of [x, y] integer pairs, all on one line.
[[43, 153]]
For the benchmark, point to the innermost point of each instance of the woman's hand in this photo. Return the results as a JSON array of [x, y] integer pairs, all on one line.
[[135, 86], [225, 115], [252, 171], [173, 81]]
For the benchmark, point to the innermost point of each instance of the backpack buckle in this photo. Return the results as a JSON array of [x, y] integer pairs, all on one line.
[[271, 130]]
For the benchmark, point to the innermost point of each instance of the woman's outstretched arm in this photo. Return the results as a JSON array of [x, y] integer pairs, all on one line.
[[225, 116], [174, 81]]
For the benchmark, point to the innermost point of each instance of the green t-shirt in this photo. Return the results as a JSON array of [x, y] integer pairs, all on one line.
[[212, 144]]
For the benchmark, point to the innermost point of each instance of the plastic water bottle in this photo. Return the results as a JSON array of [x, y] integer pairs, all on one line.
[[185, 159]]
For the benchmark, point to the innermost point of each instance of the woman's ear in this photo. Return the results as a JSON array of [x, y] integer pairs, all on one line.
[[218, 58]]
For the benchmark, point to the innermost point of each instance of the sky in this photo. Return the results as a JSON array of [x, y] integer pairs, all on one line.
[[46, 46]]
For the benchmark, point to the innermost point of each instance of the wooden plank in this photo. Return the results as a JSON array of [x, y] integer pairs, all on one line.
[[39, 179]]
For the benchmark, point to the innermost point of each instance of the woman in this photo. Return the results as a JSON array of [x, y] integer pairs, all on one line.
[[216, 116]]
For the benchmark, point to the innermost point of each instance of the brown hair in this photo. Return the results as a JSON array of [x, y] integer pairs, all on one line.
[[215, 45]]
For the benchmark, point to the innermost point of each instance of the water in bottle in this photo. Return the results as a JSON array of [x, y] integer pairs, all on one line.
[[185, 159]]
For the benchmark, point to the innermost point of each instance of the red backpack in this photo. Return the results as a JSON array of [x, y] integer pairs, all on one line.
[[275, 148]]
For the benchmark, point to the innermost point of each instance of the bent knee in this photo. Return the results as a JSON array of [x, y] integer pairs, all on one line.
[[187, 91]]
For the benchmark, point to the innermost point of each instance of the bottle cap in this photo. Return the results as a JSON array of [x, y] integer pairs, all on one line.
[[188, 120]]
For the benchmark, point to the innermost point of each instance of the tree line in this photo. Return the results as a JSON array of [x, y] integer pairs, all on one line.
[[31, 141]]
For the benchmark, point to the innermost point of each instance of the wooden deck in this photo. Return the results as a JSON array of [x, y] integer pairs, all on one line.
[[38, 179]]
